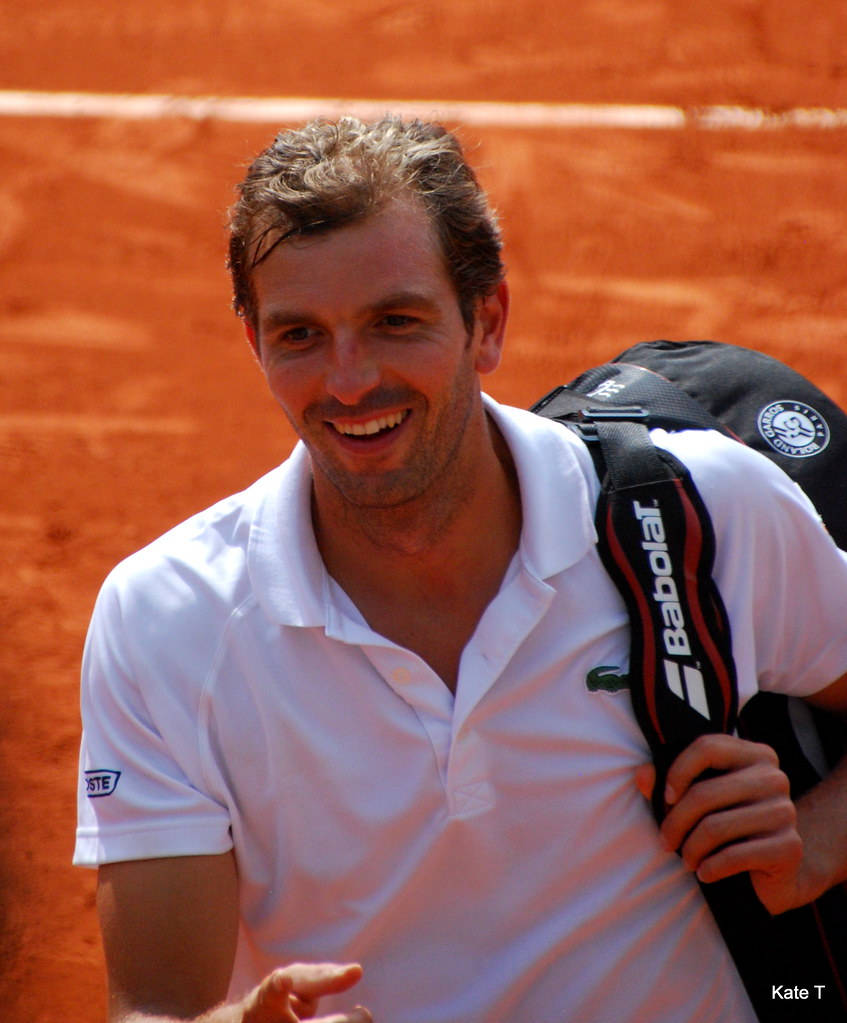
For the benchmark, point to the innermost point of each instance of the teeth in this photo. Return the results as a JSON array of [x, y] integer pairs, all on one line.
[[372, 426]]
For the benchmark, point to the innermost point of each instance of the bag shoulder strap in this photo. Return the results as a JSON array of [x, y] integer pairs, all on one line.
[[655, 539]]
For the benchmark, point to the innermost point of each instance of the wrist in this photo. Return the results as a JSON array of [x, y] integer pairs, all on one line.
[[822, 825]]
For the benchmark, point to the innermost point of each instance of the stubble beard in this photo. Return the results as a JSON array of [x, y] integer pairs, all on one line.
[[407, 507]]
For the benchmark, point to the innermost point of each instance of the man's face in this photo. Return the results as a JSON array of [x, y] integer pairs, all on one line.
[[362, 341]]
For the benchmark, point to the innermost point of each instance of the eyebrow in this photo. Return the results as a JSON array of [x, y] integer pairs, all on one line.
[[281, 317], [405, 299]]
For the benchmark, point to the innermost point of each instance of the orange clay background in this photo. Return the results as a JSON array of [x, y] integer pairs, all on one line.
[[128, 399]]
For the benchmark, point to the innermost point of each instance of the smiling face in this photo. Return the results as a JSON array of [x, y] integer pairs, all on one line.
[[362, 341]]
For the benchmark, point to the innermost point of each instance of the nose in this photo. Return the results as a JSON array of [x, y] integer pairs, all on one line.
[[353, 370]]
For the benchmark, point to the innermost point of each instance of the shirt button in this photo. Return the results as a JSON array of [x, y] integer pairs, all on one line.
[[401, 676]]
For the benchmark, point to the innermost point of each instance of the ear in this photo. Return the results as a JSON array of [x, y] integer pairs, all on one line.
[[490, 327]]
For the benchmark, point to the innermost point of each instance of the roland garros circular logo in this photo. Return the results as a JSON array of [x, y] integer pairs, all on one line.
[[793, 428]]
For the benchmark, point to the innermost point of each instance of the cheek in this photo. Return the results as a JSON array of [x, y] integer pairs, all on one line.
[[298, 393], [283, 384]]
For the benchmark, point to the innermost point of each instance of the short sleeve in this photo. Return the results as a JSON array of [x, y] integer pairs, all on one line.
[[141, 791]]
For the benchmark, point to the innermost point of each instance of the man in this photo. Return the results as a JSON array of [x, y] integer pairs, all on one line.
[[343, 717]]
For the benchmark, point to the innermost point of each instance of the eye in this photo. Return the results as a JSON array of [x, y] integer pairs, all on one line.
[[297, 338], [297, 335], [397, 321]]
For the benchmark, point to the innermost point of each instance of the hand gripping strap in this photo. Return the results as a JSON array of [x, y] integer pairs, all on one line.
[[657, 543]]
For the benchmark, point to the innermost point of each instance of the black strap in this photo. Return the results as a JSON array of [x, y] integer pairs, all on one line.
[[657, 543]]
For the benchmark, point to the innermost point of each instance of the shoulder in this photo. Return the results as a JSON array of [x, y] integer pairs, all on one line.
[[196, 570], [727, 471], [163, 613], [780, 574], [760, 515], [539, 441]]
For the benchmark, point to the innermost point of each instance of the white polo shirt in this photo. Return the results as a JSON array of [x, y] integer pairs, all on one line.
[[486, 857]]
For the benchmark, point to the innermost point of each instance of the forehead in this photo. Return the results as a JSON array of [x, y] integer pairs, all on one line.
[[394, 249]]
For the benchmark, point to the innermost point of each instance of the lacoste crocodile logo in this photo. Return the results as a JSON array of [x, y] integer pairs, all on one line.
[[606, 678]]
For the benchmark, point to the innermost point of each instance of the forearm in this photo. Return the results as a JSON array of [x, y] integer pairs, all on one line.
[[822, 824]]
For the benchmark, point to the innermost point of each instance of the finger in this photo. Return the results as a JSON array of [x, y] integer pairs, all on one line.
[[310, 981], [745, 787], [738, 833], [713, 752], [291, 993], [766, 857]]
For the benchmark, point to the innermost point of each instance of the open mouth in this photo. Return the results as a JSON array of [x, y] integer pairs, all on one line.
[[371, 428]]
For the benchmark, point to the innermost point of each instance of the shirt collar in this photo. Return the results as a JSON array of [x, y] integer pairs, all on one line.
[[558, 489], [285, 565], [555, 476]]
